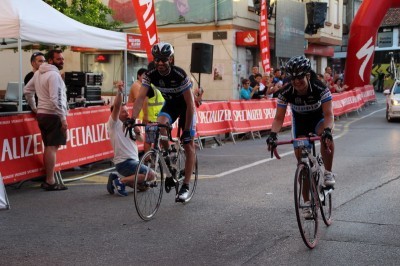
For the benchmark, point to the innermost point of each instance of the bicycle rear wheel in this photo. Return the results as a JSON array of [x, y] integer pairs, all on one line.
[[148, 187], [307, 221], [180, 164]]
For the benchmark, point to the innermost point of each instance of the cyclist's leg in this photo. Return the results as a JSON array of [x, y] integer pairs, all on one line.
[[168, 114], [327, 156], [190, 149]]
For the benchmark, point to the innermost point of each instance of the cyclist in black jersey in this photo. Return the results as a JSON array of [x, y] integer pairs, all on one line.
[[175, 86], [312, 111]]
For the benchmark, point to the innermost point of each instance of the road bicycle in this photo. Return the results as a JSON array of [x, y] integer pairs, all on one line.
[[165, 170], [308, 182]]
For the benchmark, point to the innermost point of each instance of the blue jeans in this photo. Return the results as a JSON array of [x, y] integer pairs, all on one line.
[[128, 167]]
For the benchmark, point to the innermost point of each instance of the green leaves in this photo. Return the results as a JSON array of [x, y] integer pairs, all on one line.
[[89, 12]]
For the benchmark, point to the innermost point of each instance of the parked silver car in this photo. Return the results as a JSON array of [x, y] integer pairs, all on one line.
[[393, 101]]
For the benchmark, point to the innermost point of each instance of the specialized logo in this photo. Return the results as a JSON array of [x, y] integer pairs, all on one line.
[[366, 51]]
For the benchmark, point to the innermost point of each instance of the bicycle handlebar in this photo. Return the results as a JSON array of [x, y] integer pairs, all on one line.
[[130, 124], [274, 151]]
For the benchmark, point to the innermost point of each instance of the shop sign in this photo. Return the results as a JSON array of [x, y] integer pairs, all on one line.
[[247, 38], [134, 42]]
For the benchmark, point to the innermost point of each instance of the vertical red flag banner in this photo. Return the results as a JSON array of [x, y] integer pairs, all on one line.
[[264, 38], [146, 18]]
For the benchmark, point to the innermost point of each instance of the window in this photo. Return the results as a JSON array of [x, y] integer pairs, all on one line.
[[335, 12]]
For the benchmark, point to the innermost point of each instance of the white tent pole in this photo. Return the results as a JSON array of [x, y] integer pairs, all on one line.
[[125, 73], [20, 76]]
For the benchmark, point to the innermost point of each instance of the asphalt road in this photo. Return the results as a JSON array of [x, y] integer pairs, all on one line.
[[242, 213]]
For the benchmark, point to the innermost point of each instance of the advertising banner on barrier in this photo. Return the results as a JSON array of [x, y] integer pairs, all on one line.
[[368, 93], [213, 118], [21, 148]]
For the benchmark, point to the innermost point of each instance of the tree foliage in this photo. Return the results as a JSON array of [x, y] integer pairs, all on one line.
[[89, 12]]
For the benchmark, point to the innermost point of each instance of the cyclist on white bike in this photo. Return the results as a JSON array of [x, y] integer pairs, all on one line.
[[311, 104], [175, 87]]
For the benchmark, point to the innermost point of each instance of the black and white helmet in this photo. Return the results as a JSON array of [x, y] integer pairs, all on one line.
[[298, 66], [162, 49]]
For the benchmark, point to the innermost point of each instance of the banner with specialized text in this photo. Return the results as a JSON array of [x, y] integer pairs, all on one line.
[[21, 147], [146, 18]]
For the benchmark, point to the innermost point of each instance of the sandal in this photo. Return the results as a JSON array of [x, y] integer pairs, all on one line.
[[44, 185], [55, 187]]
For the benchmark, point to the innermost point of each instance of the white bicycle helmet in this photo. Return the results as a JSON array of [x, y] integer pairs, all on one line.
[[162, 50]]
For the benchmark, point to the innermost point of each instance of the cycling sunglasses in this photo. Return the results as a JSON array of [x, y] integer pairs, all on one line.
[[162, 59], [299, 77]]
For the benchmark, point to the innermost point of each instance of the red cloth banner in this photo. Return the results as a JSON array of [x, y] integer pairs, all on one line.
[[21, 148], [213, 118], [146, 18], [264, 38]]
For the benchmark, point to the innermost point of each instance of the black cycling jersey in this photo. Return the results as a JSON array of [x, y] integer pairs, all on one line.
[[171, 85], [310, 103], [306, 109]]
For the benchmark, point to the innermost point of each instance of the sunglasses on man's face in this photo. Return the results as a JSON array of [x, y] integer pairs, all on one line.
[[162, 59], [299, 77]]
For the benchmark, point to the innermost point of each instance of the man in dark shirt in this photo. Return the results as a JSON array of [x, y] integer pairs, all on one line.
[[37, 59], [175, 87]]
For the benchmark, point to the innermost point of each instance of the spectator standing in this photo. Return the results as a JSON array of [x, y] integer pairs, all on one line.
[[37, 59], [338, 86], [51, 111], [381, 80], [246, 92], [329, 81], [134, 91], [254, 71], [258, 86], [277, 83]]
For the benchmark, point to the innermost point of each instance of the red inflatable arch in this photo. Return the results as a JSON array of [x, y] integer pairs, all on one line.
[[362, 39]]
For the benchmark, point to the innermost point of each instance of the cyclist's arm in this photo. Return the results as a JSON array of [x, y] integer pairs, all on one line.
[[279, 118], [139, 101], [188, 96], [327, 109]]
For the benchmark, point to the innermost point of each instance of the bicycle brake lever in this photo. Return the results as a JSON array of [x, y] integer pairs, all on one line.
[[276, 154]]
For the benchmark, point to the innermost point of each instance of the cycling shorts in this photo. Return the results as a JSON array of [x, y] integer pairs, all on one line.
[[174, 109], [305, 124]]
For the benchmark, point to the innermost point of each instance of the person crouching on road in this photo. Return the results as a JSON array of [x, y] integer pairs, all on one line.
[[126, 157]]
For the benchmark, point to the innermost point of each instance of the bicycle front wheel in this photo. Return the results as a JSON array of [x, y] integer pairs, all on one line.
[[181, 161], [149, 182], [326, 205], [306, 210]]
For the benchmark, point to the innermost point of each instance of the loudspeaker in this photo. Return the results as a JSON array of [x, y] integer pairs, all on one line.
[[202, 58], [316, 15]]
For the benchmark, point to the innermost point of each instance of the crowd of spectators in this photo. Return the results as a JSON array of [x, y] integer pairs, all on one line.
[[264, 86]]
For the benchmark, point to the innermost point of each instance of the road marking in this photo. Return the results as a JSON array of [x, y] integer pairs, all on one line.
[[343, 133]]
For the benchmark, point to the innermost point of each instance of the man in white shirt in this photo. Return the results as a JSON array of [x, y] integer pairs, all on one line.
[[126, 158]]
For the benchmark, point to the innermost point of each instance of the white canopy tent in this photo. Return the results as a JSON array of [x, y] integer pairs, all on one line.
[[36, 21]]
